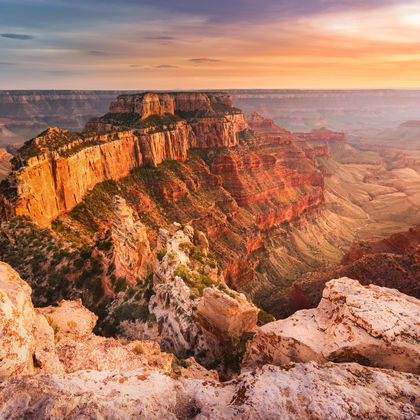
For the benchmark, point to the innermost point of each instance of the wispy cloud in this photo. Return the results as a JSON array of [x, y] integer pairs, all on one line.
[[204, 60], [97, 53], [7, 63], [166, 66], [161, 38], [22, 37]]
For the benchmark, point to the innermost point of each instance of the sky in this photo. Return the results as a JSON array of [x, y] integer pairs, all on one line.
[[217, 44]]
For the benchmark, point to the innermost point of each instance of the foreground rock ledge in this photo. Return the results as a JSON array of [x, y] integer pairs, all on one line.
[[371, 325], [304, 391]]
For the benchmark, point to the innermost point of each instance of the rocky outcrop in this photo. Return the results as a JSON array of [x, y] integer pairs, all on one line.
[[133, 258], [26, 339], [304, 391], [59, 339], [151, 103], [226, 315], [368, 324], [52, 173], [70, 317], [195, 312]]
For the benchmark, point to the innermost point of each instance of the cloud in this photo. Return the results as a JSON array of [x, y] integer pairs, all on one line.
[[17, 36], [97, 53], [161, 38], [136, 66], [204, 60], [6, 63], [166, 66], [61, 72]]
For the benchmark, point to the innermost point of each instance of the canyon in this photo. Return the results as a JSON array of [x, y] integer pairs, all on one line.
[[274, 204], [180, 259]]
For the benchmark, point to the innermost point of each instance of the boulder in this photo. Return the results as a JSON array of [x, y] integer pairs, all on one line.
[[226, 314], [70, 317], [371, 325]]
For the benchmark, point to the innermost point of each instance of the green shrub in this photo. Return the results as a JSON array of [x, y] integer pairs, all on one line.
[[264, 317], [161, 253]]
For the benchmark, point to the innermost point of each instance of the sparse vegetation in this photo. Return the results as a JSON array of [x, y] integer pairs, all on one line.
[[53, 325], [139, 348], [161, 253], [264, 317], [196, 281]]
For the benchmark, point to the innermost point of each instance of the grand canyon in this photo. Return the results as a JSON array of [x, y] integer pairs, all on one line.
[[176, 242], [209, 210]]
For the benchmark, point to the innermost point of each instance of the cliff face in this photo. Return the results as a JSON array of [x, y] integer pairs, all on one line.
[[241, 185], [54, 182], [149, 103], [52, 173]]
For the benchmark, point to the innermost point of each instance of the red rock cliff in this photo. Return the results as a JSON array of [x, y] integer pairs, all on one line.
[[52, 173]]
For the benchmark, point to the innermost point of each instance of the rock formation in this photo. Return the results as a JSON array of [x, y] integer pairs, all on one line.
[[194, 311], [27, 341], [52, 173], [368, 324], [133, 258], [105, 377], [304, 391], [59, 339]]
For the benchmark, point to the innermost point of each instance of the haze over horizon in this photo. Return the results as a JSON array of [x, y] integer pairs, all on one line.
[[160, 44]]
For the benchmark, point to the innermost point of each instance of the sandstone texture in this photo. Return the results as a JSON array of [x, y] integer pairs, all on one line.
[[133, 258], [71, 317], [26, 339], [368, 324], [304, 391], [59, 339], [52, 173], [226, 315], [98, 377]]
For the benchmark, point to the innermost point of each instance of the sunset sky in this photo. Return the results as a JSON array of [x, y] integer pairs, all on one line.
[[194, 44]]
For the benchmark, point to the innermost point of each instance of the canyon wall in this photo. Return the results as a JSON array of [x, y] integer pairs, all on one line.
[[52, 173]]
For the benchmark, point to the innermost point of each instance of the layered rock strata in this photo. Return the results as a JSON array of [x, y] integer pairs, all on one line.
[[368, 324], [52, 173]]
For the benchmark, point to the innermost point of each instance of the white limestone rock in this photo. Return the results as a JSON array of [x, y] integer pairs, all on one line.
[[372, 325]]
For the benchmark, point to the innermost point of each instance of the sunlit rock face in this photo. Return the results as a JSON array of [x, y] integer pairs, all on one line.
[[26, 339], [149, 103], [372, 325], [52, 172], [59, 339], [304, 391]]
